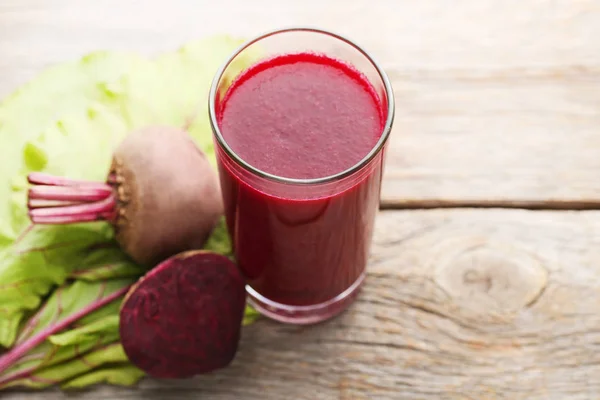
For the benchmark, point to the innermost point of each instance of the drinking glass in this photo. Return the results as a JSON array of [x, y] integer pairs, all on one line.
[[302, 244]]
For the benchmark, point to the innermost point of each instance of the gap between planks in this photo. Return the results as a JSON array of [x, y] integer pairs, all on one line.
[[549, 205]]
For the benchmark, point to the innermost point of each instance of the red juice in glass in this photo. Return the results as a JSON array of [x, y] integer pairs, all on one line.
[[299, 139]]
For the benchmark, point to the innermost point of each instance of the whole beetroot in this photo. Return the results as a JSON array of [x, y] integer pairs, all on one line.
[[184, 317], [161, 195]]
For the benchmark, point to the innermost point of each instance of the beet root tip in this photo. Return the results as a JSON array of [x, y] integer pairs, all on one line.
[[184, 317]]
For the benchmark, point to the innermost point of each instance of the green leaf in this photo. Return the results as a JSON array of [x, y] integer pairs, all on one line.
[[121, 375], [250, 316], [65, 88], [219, 240], [43, 259], [68, 301], [105, 311], [97, 328], [47, 355], [106, 263], [66, 306], [35, 157], [9, 326], [55, 374], [104, 326]]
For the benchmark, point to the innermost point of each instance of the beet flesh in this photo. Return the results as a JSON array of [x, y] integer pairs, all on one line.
[[184, 317], [162, 196]]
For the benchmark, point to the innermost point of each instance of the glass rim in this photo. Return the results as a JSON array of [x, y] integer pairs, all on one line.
[[299, 181]]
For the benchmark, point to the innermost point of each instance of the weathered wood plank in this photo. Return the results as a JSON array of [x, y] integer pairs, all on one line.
[[459, 304], [498, 102]]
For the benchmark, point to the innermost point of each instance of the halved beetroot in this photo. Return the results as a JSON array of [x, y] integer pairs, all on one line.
[[184, 317]]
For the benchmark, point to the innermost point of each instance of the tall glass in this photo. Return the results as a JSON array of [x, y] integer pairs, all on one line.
[[302, 244]]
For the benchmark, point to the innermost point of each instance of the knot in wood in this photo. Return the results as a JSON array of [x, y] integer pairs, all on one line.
[[489, 276]]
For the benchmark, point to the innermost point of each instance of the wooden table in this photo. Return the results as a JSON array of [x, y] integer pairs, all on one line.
[[484, 282]]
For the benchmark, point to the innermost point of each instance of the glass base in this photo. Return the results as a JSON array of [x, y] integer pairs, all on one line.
[[304, 315]]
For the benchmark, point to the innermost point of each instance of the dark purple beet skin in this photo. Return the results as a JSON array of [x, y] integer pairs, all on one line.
[[184, 317]]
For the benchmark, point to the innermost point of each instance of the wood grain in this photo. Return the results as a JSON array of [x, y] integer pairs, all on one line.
[[459, 304], [498, 103]]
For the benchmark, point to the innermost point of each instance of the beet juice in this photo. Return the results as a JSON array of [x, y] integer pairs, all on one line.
[[297, 137]]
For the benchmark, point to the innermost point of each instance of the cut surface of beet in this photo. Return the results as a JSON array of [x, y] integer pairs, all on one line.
[[184, 317]]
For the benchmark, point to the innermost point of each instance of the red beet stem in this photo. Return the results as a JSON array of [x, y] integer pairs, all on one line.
[[98, 207], [41, 203], [17, 352], [57, 200], [39, 178], [70, 193], [71, 219]]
